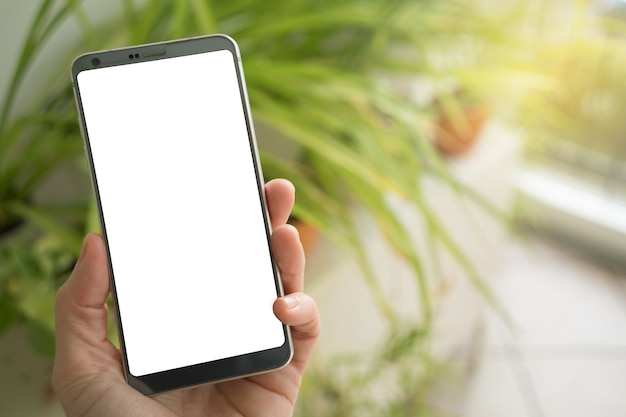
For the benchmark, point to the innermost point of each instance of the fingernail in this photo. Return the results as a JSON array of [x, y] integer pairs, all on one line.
[[292, 301]]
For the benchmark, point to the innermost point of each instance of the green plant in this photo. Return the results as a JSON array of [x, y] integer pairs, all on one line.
[[393, 380], [314, 71]]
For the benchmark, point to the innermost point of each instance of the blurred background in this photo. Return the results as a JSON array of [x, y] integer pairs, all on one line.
[[461, 177]]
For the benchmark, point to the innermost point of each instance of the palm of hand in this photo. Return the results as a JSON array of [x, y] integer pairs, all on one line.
[[272, 393], [252, 396]]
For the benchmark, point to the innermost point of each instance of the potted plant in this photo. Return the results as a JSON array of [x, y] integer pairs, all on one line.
[[460, 120]]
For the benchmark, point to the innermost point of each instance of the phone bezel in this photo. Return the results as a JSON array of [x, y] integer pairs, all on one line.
[[223, 369]]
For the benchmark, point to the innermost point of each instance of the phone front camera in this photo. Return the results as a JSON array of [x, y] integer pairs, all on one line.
[[95, 62]]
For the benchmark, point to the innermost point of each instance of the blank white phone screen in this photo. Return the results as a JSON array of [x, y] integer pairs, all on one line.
[[182, 211]]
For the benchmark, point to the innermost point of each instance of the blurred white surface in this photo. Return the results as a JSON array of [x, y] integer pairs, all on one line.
[[567, 353], [574, 209]]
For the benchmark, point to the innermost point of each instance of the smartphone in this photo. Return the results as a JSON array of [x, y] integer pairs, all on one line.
[[172, 153]]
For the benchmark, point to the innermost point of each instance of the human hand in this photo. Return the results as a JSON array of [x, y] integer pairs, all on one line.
[[88, 377]]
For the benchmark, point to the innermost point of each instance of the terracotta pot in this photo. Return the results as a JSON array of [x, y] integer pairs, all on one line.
[[309, 235], [457, 138]]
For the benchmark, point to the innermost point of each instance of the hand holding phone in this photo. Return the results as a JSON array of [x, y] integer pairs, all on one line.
[[88, 376], [186, 231]]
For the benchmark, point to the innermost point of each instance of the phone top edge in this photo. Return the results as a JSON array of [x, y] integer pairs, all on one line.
[[148, 52]]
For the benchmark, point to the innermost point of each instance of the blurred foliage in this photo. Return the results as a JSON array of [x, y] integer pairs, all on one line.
[[313, 70], [391, 381], [29, 276]]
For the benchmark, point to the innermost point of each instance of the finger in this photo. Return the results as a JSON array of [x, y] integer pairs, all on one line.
[[81, 301], [280, 195], [299, 311], [289, 256]]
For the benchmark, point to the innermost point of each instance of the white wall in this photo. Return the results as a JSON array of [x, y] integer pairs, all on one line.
[[16, 17]]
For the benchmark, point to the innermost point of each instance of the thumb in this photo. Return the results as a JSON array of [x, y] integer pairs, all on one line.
[[87, 374], [81, 302]]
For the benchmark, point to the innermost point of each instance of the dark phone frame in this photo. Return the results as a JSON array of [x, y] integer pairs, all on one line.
[[223, 369]]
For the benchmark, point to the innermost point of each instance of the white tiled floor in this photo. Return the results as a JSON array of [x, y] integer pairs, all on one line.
[[567, 355]]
